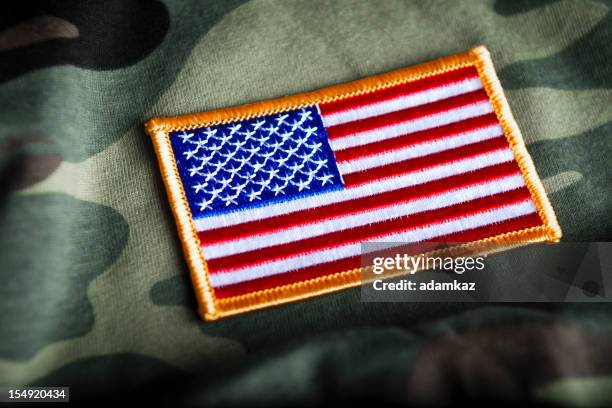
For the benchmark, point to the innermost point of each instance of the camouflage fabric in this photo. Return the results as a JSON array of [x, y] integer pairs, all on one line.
[[95, 291]]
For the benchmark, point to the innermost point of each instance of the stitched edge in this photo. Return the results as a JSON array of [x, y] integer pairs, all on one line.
[[211, 308], [484, 65], [184, 222]]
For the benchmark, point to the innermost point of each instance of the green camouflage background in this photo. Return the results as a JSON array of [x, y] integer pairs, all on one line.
[[95, 292]]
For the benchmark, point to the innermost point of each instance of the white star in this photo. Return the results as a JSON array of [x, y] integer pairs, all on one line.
[[185, 136], [262, 140], [240, 187], [204, 205], [259, 124], [271, 130], [209, 175], [189, 154], [296, 167], [225, 138], [282, 160], [194, 170], [281, 119], [241, 160], [229, 200], [248, 134], [309, 131], [268, 155], [263, 183], [296, 124], [235, 128], [209, 132], [272, 172], [253, 150], [292, 151], [215, 148], [286, 135], [276, 145], [320, 163], [254, 195], [199, 186], [239, 144], [278, 189], [231, 170], [200, 143], [312, 172], [326, 178], [302, 184], [257, 166], [305, 115], [224, 182]]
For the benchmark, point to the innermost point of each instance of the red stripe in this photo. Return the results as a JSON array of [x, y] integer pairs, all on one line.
[[411, 139], [397, 91], [330, 211], [420, 163], [365, 232], [393, 118], [328, 268]]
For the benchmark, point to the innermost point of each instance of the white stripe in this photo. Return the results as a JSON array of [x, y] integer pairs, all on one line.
[[411, 126], [420, 150], [409, 179], [404, 102], [346, 251], [327, 226]]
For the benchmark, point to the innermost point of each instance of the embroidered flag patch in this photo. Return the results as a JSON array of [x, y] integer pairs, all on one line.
[[273, 199]]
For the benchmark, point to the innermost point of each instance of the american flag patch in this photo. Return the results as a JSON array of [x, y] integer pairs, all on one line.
[[274, 199]]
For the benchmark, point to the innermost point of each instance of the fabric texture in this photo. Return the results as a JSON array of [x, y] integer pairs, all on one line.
[[96, 293]]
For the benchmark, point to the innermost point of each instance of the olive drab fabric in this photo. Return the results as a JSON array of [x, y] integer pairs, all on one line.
[[95, 291]]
